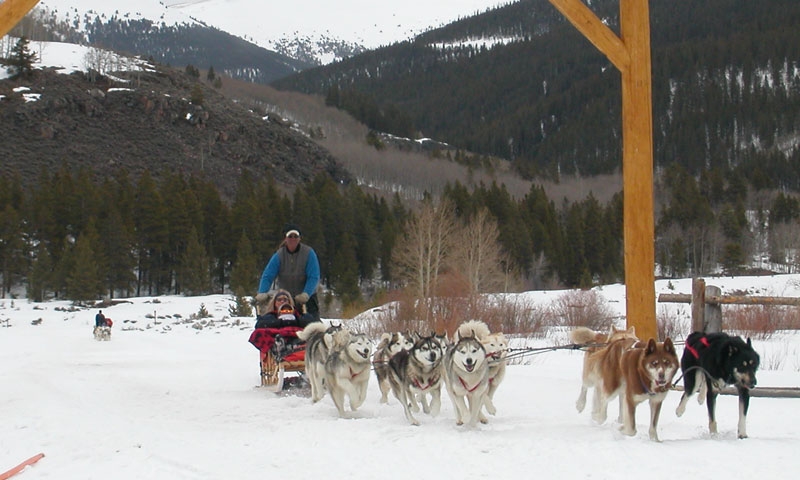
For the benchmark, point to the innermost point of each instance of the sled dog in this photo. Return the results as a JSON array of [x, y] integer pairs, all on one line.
[[319, 338], [496, 346], [389, 344], [347, 369], [647, 371], [601, 367], [709, 362], [467, 378], [102, 333], [416, 373]]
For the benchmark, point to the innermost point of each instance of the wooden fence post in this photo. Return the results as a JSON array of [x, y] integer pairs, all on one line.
[[712, 311], [698, 302]]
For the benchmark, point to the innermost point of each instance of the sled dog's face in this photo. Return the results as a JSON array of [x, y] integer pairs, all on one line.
[[427, 351], [744, 362], [660, 362], [400, 341], [496, 346], [359, 348], [468, 354]]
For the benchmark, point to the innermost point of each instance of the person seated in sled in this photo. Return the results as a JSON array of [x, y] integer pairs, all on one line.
[[283, 313], [276, 330]]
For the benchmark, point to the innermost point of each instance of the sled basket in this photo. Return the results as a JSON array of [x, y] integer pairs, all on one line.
[[280, 352]]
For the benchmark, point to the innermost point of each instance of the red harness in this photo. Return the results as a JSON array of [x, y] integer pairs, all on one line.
[[703, 341], [464, 384]]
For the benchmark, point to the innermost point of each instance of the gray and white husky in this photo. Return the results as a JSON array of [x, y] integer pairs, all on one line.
[[467, 378], [496, 346], [389, 344], [417, 373], [347, 370], [102, 333], [319, 338]]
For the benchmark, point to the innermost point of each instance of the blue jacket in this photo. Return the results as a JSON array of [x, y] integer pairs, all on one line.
[[273, 268]]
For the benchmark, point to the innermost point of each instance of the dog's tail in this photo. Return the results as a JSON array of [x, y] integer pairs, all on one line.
[[311, 329], [472, 328], [586, 335]]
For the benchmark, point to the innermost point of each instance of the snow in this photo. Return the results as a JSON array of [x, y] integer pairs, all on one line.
[[165, 399]]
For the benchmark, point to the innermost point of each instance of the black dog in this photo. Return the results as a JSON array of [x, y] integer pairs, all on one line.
[[712, 360]]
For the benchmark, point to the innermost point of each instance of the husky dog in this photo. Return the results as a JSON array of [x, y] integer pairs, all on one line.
[[467, 378], [647, 372], [416, 373], [718, 359], [496, 346], [601, 367], [347, 370], [390, 344], [102, 333], [319, 338]]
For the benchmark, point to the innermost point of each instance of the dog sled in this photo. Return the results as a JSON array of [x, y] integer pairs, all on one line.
[[280, 352]]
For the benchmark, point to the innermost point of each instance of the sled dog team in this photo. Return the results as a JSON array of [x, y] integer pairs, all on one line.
[[471, 367]]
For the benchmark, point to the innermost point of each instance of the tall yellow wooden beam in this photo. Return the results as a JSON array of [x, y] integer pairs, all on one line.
[[12, 11], [630, 53]]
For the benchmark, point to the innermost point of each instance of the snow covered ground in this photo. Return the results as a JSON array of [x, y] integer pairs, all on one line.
[[166, 399]]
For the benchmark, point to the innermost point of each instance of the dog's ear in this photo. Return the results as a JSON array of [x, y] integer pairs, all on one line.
[[651, 346], [732, 350], [749, 343], [668, 346]]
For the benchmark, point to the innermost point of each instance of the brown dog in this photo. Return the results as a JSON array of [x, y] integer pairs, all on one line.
[[601, 367], [647, 372]]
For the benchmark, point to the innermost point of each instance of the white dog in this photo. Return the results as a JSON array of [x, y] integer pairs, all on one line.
[[467, 373], [347, 370]]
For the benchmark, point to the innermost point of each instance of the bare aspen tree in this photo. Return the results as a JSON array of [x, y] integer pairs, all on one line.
[[477, 254], [422, 253]]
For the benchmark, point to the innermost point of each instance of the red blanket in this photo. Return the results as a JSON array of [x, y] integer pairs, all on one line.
[[264, 338]]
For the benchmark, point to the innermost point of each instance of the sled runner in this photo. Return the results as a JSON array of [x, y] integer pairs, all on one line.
[[280, 351]]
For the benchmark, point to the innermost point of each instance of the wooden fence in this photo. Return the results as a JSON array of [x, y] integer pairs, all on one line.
[[707, 304]]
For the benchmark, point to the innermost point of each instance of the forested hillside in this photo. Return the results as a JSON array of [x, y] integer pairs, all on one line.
[[726, 89]]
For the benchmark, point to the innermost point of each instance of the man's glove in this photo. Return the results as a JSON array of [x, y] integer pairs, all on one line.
[[263, 297], [301, 298]]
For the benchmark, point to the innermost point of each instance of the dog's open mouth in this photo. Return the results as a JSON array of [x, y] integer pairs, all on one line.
[[469, 367], [364, 354]]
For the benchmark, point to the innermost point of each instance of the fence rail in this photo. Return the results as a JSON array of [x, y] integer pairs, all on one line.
[[707, 304]]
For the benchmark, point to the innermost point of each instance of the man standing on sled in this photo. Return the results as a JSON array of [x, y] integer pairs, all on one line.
[[295, 267]]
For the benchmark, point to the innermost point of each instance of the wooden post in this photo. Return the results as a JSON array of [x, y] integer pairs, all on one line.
[[12, 11], [698, 302], [630, 53], [712, 311]]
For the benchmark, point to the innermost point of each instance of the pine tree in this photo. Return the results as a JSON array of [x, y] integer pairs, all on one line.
[[40, 275], [195, 277], [245, 271], [83, 280], [20, 62]]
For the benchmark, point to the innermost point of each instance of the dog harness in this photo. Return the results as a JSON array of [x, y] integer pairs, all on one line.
[[703, 341], [466, 387]]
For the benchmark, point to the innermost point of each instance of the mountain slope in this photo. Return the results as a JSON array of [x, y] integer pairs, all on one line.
[[725, 82], [157, 120]]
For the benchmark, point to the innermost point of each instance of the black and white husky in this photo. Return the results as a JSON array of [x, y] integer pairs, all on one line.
[[709, 362], [347, 369], [319, 338], [467, 378], [417, 373], [389, 345]]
